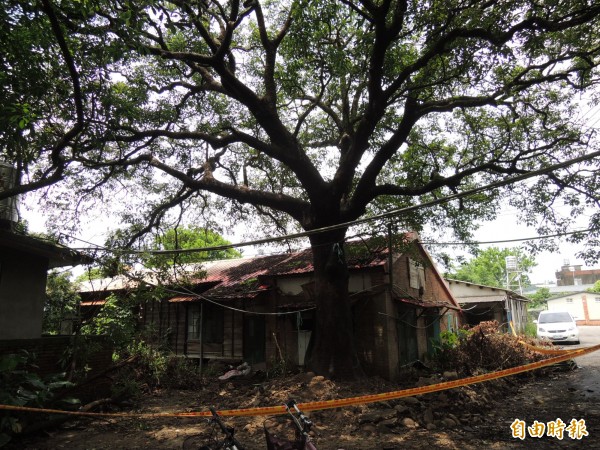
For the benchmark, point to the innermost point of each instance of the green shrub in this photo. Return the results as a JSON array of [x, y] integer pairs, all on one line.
[[452, 339], [280, 367], [153, 368], [19, 386], [182, 373], [531, 330], [115, 320]]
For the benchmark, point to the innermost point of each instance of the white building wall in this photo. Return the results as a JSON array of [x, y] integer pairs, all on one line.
[[593, 302], [575, 306]]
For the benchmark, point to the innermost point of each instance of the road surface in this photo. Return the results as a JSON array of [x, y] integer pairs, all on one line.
[[566, 396]]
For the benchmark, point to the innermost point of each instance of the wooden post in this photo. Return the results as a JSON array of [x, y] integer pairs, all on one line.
[[201, 335], [390, 259]]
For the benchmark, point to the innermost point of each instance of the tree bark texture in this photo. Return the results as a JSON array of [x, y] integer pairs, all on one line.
[[332, 350]]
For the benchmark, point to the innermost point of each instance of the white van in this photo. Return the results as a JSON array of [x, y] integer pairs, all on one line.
[[557, 326]]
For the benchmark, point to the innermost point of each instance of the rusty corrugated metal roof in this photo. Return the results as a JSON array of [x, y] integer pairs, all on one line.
[[244, 277], [248, 277]]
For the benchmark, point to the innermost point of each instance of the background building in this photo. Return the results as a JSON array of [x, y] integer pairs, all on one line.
[[574, 275]]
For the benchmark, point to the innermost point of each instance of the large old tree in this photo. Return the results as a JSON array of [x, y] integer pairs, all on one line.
[[312, 113]]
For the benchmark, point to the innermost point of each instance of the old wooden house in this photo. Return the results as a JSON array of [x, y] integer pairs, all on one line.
[[262, 309]]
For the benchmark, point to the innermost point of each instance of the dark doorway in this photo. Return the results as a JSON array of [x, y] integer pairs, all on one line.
[[254, 339], [407, 335]]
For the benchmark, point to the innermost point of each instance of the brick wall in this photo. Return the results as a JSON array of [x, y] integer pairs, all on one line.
[[49, 352], [587, 322]]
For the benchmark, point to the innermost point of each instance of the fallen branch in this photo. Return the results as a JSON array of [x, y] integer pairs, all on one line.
[[94, 378]]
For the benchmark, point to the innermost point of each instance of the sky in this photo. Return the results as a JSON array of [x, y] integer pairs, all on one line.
[[548, 263], [507, 228], [503, 228]]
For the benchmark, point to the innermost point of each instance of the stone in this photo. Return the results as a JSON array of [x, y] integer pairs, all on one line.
[[450, 375], [411, 401], [317, 379], [384, 429], [368, 428], [377, 416], [409, 423], [448, 422], [428, 416], [453, 417], [401, 409], [423, 381], [390, 423]]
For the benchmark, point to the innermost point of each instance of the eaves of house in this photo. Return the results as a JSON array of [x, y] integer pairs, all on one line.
[[485, 293], [56, 254]]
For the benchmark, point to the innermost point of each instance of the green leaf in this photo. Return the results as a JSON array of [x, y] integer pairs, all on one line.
[[34, 381], [70, 401], [4, 439], [59, 385], [9, 363]]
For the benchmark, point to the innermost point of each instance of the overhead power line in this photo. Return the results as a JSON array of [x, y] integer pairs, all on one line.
[[502, 241], [387, 215]]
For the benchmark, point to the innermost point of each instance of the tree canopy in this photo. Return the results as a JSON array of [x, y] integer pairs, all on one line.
[[190, 238], [61, 302], [309, 114], [539, 297], [488, 268], [595, 287]]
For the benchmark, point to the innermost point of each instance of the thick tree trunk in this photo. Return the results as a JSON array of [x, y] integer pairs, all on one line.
[[332, 351]]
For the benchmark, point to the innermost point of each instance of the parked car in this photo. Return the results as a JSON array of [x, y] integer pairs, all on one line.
[[557, 326]]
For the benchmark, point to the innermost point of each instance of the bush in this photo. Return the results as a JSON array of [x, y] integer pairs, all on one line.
[[182, 373], [446, 350], [154, 368], [115, 320], [531, 330], [20, 386], [279, 368], [482, 348]]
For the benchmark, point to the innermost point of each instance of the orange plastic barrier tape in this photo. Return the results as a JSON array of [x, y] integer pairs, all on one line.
[[329, 404], [544, 350]]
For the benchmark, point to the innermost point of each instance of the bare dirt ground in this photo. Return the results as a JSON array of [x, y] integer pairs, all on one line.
[[479, 416], [465, 418]]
